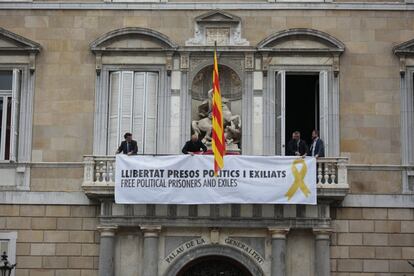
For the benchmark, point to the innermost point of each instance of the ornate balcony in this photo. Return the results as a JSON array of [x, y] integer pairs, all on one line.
[[332, 177]]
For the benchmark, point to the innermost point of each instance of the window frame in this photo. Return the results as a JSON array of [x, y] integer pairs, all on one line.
[[102, 101], [24, 114], [14, 94], [407, 126], [144, 111], [22, 150], [407, 116], [330, 97]]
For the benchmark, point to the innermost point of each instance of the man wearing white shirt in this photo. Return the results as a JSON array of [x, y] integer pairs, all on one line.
[[317, 148]]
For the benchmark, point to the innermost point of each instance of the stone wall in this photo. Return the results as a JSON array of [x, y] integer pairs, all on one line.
[[63, 241], [65, 77], [369, 79], [370, 241], [53, 240], [52, 179]]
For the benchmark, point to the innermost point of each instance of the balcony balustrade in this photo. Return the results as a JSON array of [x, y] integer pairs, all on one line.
[[332, 180]]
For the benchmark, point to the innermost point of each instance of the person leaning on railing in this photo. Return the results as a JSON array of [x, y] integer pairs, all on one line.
[[194, 145], [128, 146], [296, 146]]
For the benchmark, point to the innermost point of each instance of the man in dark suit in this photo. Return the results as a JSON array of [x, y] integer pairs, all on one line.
[[317, 148], [296, 146], [128, 146], [194, 145]]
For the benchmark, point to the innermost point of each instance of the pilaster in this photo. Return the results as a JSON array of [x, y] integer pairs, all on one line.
[[107, 250], [150, 249], [322, 256], [278, 264]]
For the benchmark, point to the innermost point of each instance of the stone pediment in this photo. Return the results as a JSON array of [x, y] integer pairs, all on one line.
[[15, 43], [405, 48], [301, 40], [133, 39], [218, 16], [217, 26]]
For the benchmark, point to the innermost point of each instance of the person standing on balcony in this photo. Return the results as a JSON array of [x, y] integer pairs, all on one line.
[[317, 149], [194, 145], [296, 146], [128, 146]]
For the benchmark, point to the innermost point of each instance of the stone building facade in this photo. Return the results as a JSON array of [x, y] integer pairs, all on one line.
[[65, 65]]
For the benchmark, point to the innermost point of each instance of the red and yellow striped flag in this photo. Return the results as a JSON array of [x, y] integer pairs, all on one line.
[[218, 132]]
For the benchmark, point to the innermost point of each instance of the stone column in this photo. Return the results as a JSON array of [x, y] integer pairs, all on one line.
[[278, 265], [107, 250], [151, 234], [322, 256]]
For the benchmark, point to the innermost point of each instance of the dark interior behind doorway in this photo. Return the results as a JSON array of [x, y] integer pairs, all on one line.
[[214, 266], [302, 105]]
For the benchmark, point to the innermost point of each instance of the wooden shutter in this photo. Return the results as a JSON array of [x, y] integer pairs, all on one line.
[[133, 108], [126, 102], [138, 126], [113, 123], [323, 109], [150, 141], [280, 112], [15, 114]]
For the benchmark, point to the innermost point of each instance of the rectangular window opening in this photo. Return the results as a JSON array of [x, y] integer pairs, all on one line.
[[6, 80], [133, 108], [302, 105], [9, 94]]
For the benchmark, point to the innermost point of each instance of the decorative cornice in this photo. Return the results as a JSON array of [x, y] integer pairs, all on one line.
[[278, 233], [97, 45], [225, 17], [404, 49], [107, 230], [333, 45], [23, 44], [207, 6], [322, 233], [151, 231]]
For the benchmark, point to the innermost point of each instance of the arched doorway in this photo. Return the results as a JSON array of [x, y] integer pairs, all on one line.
[[214, 266], [204, 253]]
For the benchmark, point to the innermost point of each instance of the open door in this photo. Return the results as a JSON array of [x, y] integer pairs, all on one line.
[[301, 105], [14, 126], [323, 109], [280, 112]]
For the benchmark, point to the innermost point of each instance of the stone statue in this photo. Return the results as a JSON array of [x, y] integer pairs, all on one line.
[[231, 123]]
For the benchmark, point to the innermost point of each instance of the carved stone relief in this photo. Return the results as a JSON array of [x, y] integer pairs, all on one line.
[[231, 91], [217, 26]]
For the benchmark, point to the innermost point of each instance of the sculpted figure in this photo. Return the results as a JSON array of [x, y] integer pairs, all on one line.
[[231, 122]]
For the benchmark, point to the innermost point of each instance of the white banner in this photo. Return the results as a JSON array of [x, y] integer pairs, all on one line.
[[186, 179]]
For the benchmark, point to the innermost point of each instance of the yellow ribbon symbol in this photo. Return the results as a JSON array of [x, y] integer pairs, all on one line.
[[299, 177]]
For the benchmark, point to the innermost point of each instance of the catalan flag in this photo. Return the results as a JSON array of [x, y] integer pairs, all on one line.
[[218, 132]]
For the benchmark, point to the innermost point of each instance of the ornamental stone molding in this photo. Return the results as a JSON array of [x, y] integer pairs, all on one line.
[[133, 40], [214, 250], [14, 44], [219, 26], [301, 41], [404, 50]]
